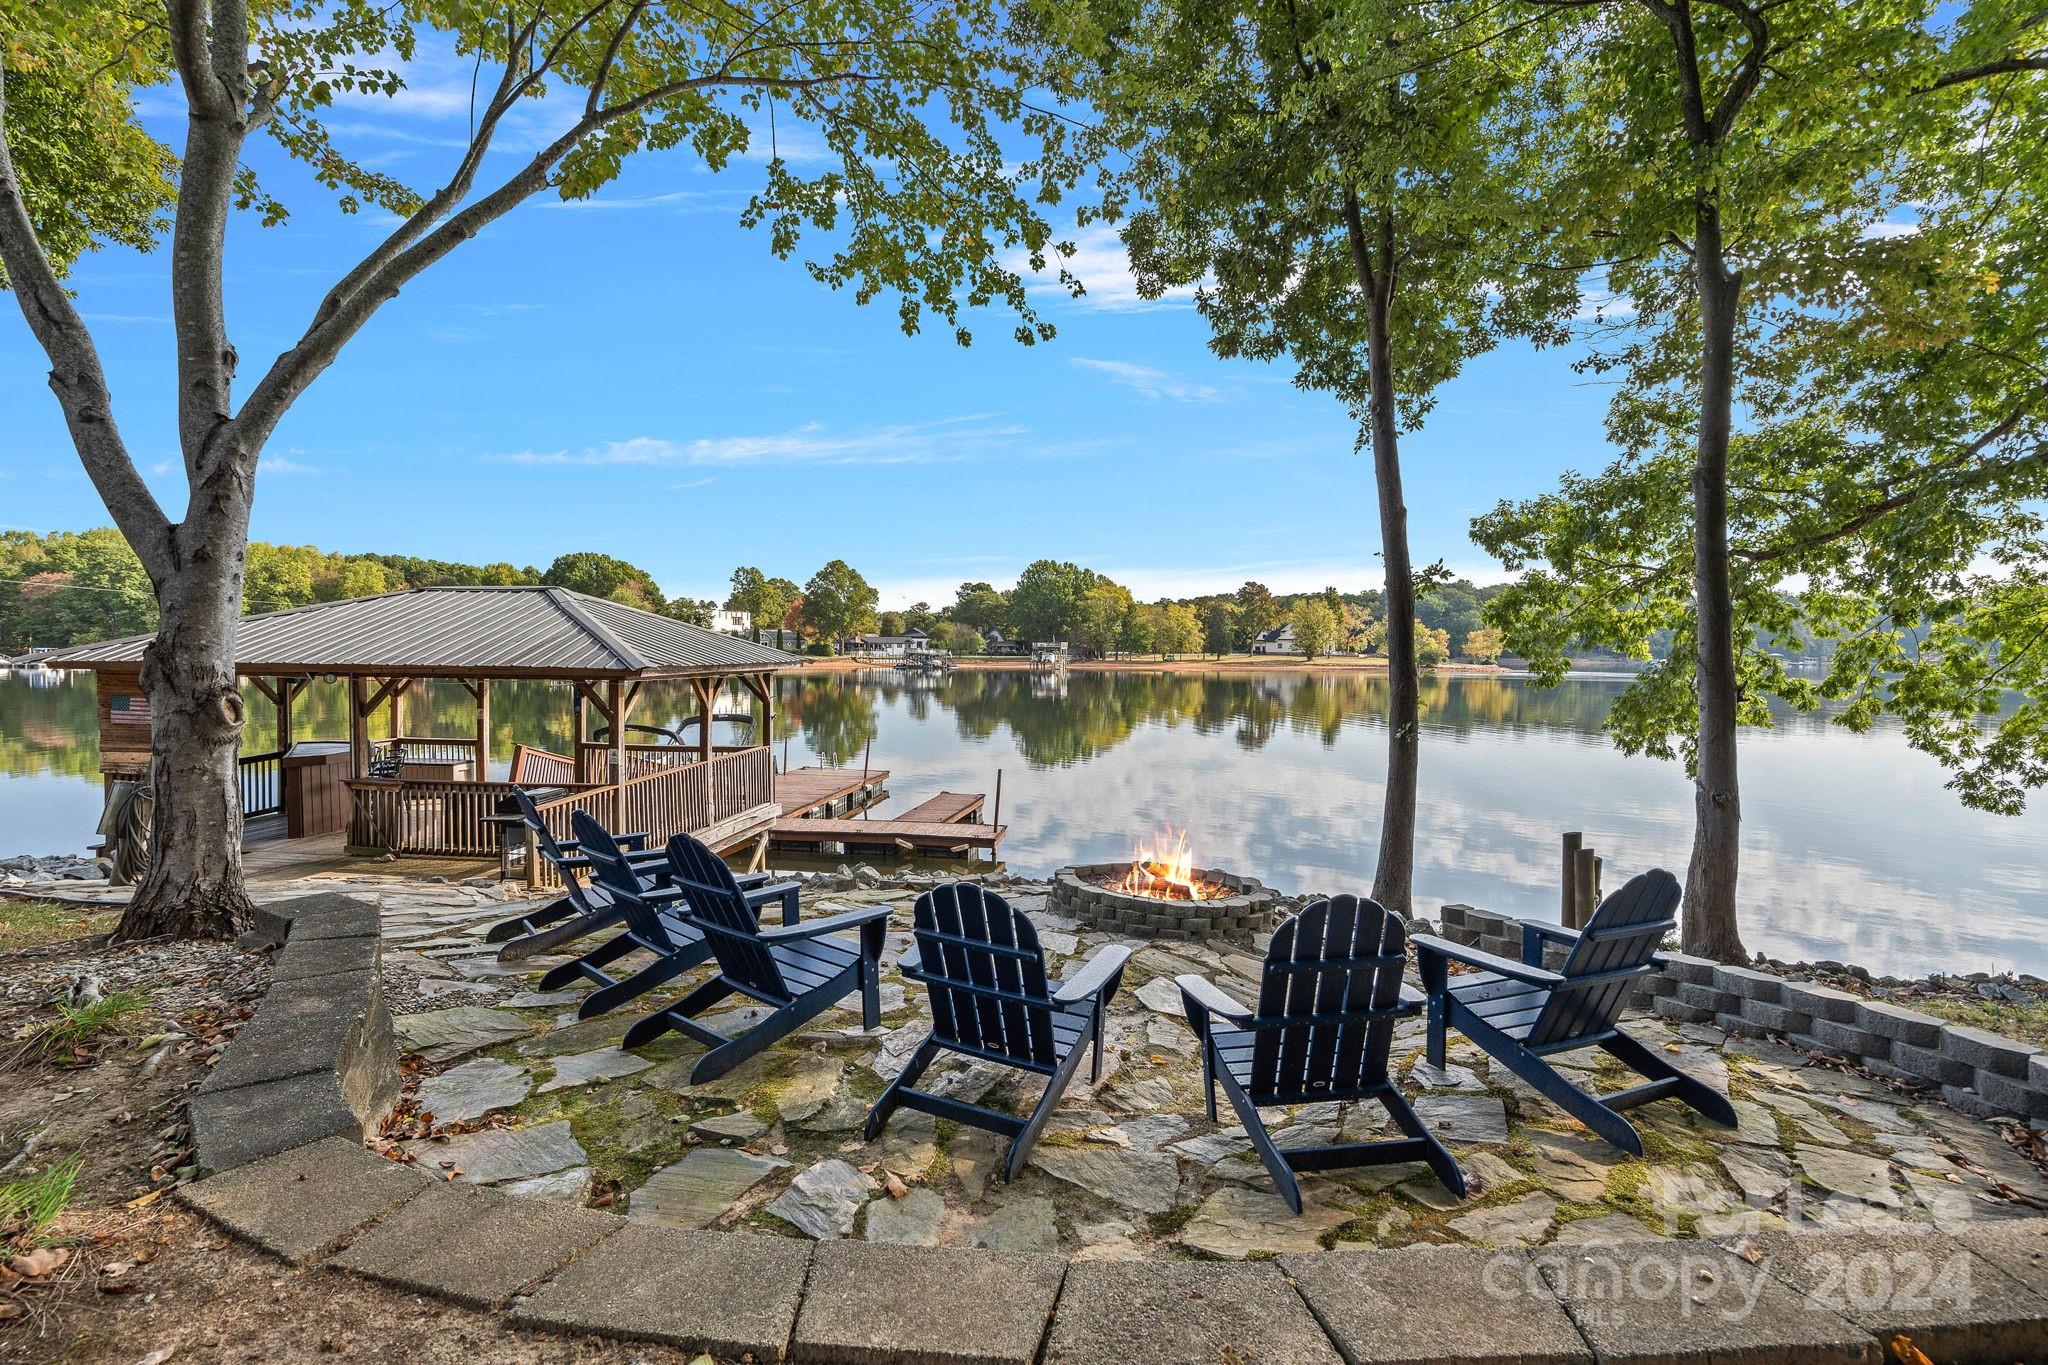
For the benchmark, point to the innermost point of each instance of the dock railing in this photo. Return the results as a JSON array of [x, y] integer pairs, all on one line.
[[664, 800]]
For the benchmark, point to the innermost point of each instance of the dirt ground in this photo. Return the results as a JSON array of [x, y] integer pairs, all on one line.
[[141, 1278]]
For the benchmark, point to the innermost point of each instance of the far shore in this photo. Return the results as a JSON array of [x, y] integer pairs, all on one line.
[[1186, 663]]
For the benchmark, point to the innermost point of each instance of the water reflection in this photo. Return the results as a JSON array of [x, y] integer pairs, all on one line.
[[1852, 848]]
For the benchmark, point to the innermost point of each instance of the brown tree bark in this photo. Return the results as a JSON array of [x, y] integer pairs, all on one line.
[[1393, 878], [1710, 907]]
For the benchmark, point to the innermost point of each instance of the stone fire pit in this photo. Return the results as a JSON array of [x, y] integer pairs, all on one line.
[[1088, 894]]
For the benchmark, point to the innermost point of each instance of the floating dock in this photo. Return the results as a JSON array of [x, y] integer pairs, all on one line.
[[947, 825], [824, 793]]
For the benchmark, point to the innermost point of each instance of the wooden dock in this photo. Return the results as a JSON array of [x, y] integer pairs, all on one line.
[[947, 808], [822, 793], [890, 836]]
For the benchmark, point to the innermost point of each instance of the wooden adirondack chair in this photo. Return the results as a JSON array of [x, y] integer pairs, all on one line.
[[798, 970], [991, 999], [585, 907], [1330, 995], [582, 908], [653, 926], [1519, 1014]]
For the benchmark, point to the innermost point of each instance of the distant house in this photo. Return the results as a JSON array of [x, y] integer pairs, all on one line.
[[779, 638], [888, 646], [995, 642], [1278, 640], [740, 623]]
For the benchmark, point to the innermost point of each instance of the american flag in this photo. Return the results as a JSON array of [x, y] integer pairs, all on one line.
[[128, 710]]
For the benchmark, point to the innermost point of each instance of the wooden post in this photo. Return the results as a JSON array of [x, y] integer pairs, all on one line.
[[997, 817], [614, 695], [1587, 891], [483, 731], [358, 731], [287, 696], [398, 717], [1568, 913], [705, 700], [768, 718]]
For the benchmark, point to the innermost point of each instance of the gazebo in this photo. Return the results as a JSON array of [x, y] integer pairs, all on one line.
[[414, 795]]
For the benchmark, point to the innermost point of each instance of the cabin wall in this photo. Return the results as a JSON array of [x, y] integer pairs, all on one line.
[[123, 713]]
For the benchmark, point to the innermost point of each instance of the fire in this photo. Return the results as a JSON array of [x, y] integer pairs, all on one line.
[[1165, 870]]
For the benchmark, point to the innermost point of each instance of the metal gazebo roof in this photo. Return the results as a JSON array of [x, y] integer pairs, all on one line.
[[513, 632]]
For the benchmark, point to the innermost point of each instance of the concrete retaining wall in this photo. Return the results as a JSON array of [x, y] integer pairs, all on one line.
[[1979, 1073], [318, 1057]]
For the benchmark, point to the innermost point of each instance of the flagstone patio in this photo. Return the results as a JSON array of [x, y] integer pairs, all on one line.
[[525, 1098]]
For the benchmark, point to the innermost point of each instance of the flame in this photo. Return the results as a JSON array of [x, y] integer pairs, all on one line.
[[1165, 870]]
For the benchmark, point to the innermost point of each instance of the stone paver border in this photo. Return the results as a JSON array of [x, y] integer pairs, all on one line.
[[314, 1061], [1979, 1073], [322, 1198]]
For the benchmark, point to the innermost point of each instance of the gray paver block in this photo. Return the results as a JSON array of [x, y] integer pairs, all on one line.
[[1434, 1303], [1181, 1313], [1915, 1282], [301, 1204], [1987, 1051], [868, 1301], [304, 958], [2019, 1248], [1822, 1002], [327, 915], [1899, 1023], [1672, 1303], [1684, 967], [294, 1031], [2011, 1096], [474, 1246], [232, 1128], [1932, 1064], [721, 1292]]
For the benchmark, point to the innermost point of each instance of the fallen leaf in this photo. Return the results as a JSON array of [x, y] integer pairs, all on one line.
[[10, 1310], [1906, 1353], [40, 1262], [893, 1183], [1746, 1249], [1157, 1060], [158, 1356], [144, 1200], [114, 1270]]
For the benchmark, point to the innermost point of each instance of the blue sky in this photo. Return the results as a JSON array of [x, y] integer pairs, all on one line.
[[639, 375]]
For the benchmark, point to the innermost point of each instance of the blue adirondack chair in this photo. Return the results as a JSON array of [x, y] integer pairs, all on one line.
[[798, 970], [1520, 1014], [982, 964], [1329, 996], [582, 908], [653, 925]]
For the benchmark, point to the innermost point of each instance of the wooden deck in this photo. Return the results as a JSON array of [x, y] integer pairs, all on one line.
[[283, 860], [947, 808], [893, 836], [805, 793]]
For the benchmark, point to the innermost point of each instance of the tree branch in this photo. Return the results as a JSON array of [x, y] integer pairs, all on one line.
[[2001, 67], [75, 374]]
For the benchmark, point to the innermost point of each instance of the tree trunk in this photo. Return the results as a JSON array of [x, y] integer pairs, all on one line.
[[1393, 880], [193, 888], [1710, 920]]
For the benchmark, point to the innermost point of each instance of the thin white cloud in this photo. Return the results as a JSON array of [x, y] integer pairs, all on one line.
[[692, 483], [1877, 231], [1149, 382], [676, 200], [945, 439], [124, 317], [1104, 269], [279, 464]]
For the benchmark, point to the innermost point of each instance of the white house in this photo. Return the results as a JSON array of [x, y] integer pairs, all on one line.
[[740, 623], [888, 646], [1278, 640]]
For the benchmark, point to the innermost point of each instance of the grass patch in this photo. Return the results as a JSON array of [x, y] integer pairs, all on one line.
[[2027, 1023], [117, 1012], [29, 1205], [34, 924]]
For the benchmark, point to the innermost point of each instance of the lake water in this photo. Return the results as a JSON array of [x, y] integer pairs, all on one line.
[[1852, 849]]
